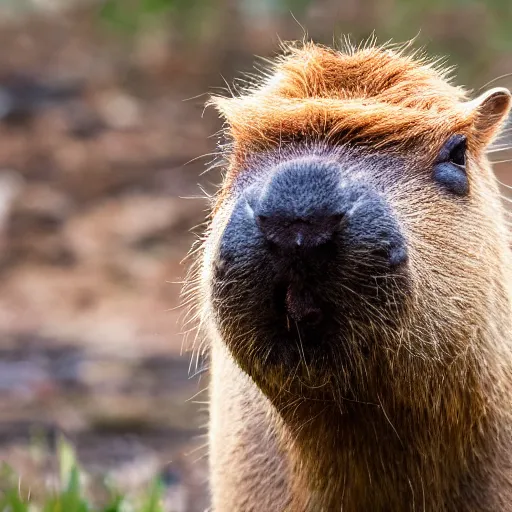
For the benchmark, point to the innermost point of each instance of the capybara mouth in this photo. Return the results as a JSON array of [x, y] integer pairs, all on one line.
[[297, 303]]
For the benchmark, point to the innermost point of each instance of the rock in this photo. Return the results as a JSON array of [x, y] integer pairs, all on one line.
[[11, 185], [119, 110]]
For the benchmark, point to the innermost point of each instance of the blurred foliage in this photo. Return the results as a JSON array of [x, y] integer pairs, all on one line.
[[133, 14], [469, 31], [69, 495]]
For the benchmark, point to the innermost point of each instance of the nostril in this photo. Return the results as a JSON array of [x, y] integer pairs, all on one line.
[[398, 256], [313, 317], [337, 221], [394, 256], [293, 232]]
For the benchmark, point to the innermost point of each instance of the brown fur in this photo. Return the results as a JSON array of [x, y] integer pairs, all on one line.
[[430, 427], [373, 96]]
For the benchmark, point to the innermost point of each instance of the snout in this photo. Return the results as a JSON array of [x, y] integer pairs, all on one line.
[[305, 233], [300, 206]]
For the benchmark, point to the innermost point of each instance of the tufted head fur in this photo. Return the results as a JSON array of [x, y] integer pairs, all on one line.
[[373, 96], [382, 340]]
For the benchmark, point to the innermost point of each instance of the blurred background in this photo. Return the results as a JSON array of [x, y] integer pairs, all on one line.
[[101, 127]]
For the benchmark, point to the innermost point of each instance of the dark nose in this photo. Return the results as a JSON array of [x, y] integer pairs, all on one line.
[[307, 232], [300, 206]]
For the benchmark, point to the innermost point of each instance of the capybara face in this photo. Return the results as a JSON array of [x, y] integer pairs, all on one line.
[[337, 249], [311, 246]]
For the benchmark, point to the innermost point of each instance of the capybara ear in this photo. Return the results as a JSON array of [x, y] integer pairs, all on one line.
[[489, 110]]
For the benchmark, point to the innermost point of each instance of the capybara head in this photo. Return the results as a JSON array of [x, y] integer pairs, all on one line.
[[358, 241]]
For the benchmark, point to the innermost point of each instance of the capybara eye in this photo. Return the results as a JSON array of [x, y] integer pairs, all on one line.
[[450, 166], [456, 148]]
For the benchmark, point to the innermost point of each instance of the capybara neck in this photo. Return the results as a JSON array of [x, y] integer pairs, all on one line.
[[348, 454]]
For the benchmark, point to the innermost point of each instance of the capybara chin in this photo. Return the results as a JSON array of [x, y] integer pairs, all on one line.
[[355, 288]]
